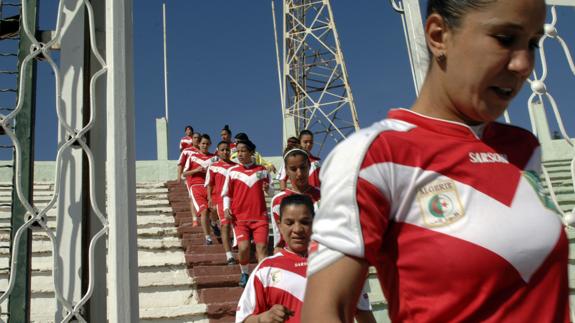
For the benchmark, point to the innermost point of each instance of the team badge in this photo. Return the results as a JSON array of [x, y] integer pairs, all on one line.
[[276, 277], [440, 203]]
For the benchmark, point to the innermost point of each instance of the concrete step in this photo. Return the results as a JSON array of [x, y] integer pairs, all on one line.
[[174, 314], [43, 262], [150, 278], [198, 271], [203, 249], [222, 312], [220, 294]]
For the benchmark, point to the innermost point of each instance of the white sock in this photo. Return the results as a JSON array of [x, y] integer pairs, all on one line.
[[245, 269], [208, 237], [229, 255]]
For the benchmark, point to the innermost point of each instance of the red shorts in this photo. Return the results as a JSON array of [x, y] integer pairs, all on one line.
[[220, 210], [199, 197], [258, 229]]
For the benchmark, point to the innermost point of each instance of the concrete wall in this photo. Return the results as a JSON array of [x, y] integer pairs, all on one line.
[[153, 171]]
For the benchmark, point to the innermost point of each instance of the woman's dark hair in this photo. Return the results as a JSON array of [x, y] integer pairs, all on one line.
[[242, 136], [206, 136], [453, 11], [295, 151], [221, 143], [305, 132], [189, 127], [250, 145], [227, 129], [297, 199]]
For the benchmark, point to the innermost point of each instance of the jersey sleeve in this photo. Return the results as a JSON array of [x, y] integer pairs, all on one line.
[[210, 177], [182, 159], [354, 211], [281, 176], [268, 179], [227, 190], [260, 160], [274, 219], [252, 300]]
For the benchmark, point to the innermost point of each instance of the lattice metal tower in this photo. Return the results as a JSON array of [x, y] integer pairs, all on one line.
[[317, 95]]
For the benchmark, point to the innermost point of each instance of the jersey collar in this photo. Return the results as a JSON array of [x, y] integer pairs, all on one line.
[[447, 127], [291, 254]]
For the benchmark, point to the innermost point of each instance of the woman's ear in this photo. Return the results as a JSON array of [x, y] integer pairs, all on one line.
[[436, 35]]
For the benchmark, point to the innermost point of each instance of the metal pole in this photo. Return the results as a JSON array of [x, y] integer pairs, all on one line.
[[120, 165], [19, 299], [278, 63], [416, 38], [165, 62]]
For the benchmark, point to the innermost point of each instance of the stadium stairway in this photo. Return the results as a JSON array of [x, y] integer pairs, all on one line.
[[215, 281], [166, 291]]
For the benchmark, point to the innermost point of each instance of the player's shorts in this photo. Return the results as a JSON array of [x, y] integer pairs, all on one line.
[[199, 197], [189, 185], [220, 210], [258, 229]]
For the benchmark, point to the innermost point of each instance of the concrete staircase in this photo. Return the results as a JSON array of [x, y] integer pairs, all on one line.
[[562, 182], [215, 281], [166, 292]]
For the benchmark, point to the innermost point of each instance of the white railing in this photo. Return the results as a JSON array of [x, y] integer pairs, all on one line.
[[110, 112]]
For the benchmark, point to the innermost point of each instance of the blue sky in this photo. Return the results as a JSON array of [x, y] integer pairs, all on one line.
[[222, 70]]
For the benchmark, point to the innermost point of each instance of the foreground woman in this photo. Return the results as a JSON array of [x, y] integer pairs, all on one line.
[[275, 290], [442, 199]]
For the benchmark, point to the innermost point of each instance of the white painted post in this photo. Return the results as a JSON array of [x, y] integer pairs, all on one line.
[[162, 138], [69, 215], [416, 42], [120, 165]]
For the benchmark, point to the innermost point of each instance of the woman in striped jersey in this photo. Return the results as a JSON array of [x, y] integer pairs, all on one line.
[[297, 164], [275, 290]]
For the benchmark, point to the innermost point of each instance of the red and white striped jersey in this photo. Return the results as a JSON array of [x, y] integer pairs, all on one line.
[[276, 201], [455, 222], [198, 160], [280, 279], [216, 176], [185, 142], [314, 169], [243, 192], [185, 154]]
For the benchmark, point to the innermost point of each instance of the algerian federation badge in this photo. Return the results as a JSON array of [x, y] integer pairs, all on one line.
[[276, 277], [440, 204]]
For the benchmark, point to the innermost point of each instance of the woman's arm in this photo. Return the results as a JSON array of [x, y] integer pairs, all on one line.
[[277, 313], [331, 294]]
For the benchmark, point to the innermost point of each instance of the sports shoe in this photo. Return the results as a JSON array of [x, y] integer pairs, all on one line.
[[244, 280], [209, 242], [195, 222], [216, 229], [231, 261]]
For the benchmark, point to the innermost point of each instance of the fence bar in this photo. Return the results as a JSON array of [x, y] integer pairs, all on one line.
[[19, 299]]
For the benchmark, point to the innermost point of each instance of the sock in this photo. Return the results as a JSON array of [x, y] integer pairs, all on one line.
[[208, 237], [229, 255], [245, 269], [195, 218]]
